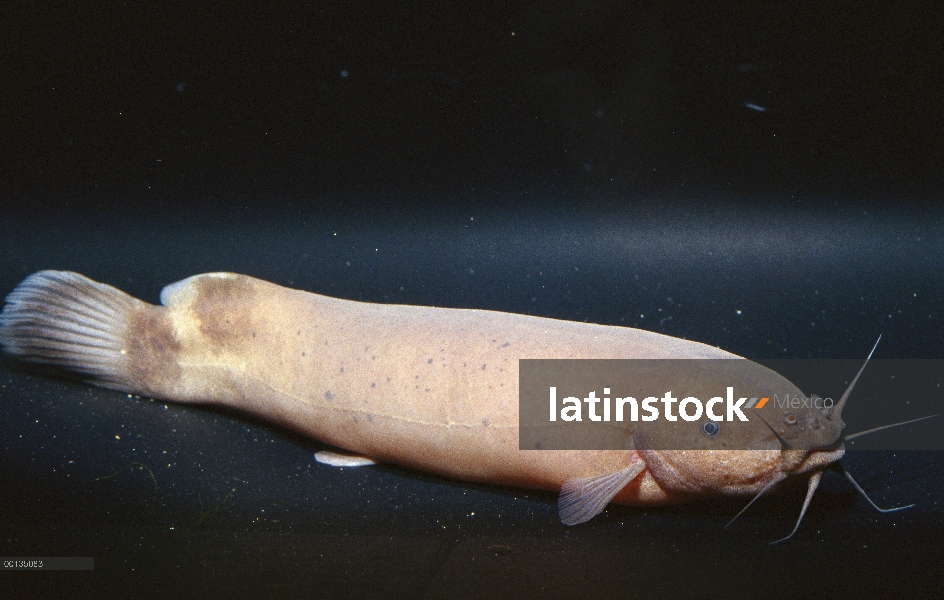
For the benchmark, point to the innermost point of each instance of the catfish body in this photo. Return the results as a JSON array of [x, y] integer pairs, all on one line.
[[429, 388]]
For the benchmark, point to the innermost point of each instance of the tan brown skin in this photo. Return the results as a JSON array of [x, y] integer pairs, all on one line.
[[433, 389], [428, 388]]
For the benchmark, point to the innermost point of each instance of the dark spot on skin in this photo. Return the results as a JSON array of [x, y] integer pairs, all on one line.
[[370, 418], [366, 348], [303, 354], [329, 395], [427, 390], [429, 362], [299, 332], [373, 384], [342, 369], [484, 422], [506, 344], [483, 367], [374, 357], [388, 379], [416, 377], [253, 334]]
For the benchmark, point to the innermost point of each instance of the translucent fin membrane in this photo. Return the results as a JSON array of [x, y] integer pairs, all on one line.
[[67, 320]]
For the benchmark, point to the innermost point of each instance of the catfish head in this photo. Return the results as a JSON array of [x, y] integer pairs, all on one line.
[[805, 441], [735, 457]]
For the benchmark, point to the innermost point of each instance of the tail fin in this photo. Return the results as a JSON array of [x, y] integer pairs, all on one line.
[[67, 320]]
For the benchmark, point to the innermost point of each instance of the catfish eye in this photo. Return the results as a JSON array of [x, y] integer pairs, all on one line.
[[790, 419], [710, 428]]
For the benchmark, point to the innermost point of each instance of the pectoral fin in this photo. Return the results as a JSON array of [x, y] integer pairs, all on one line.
[[584, 498], [336, 459]]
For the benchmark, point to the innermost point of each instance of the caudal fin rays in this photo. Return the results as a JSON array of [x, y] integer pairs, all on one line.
[[67, 320]]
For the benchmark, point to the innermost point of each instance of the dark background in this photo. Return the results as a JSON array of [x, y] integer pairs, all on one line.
[[595, 161]]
